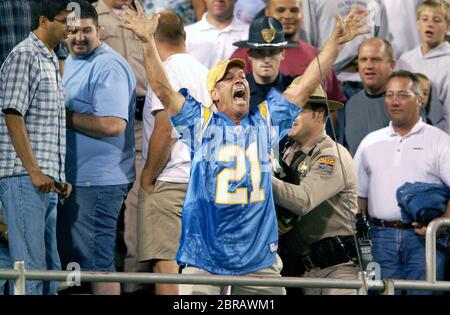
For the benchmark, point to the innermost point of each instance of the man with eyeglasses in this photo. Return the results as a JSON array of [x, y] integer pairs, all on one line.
[[33, 143], [408, 150]]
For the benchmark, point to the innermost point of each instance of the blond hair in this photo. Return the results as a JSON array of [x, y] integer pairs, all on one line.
[[442, 5]]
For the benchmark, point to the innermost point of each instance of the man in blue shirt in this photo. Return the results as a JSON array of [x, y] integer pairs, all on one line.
[[100, 101], [229, 225]]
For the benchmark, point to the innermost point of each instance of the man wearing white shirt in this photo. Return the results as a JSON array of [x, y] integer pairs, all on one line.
[[166, 171], [408, 150], [211, 39]]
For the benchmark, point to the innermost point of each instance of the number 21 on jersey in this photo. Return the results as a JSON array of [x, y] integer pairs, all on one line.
[[227, 175]]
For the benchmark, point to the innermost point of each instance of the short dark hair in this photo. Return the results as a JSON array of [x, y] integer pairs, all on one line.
[[407, 75], [47, 8], [87, 11], [170, 29], [317, 107]]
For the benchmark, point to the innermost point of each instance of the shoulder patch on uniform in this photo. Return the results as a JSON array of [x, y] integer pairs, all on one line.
[[326, 166]]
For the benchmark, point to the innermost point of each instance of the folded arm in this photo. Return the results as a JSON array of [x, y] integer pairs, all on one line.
[[95, 126]]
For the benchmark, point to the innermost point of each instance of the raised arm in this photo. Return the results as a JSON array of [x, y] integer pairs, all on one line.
[[144, 29], [347, 29]]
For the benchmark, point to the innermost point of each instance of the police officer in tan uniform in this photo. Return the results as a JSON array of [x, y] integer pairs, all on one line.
[[322, 206]]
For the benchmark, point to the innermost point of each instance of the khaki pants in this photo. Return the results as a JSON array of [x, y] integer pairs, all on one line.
[[345, 271], [272, 271], [159, 221]]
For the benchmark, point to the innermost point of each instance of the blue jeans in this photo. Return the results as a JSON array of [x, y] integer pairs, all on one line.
[[31, 220], [87, 223], [5, 263], [401, 255]]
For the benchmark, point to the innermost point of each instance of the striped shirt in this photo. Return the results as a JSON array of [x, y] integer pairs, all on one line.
[[30, 84]]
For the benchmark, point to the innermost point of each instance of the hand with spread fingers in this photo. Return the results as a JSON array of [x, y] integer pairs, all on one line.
[[138, 23], [354, 24]]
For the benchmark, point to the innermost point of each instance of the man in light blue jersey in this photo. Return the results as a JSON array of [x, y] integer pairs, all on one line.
[[229, 225]]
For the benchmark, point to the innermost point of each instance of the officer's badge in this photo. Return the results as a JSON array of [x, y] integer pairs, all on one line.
[[268, 34], [326, 166], [302, 169]]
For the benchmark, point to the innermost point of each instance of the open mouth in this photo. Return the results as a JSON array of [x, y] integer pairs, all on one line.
[[239, 95], [429, 33]]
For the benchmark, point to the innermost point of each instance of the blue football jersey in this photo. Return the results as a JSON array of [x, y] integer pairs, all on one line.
[[228, 223]]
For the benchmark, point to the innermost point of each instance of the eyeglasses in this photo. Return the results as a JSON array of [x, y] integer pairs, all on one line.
[[401, 95], [63, 21]]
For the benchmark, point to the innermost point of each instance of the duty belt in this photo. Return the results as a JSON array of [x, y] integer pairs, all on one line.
[[330, 251]]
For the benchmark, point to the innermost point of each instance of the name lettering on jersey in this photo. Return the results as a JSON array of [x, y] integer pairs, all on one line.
[[418, 149], [326, 166]]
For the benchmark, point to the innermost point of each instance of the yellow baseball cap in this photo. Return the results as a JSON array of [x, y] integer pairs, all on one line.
[[218, 71]]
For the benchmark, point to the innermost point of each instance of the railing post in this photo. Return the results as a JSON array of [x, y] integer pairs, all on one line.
[[363, 289], [430, 247], [389, 287], [19, 283]]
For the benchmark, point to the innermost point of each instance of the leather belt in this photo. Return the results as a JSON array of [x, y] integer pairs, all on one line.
[[392, 224]]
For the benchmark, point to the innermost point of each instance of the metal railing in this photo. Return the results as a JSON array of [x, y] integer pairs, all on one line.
[[430, 246], [19, 275]]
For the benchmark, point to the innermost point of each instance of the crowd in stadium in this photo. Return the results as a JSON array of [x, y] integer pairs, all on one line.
[[278, 138]]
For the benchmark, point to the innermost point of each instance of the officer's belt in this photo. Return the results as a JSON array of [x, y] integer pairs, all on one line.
[[330, 251]]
